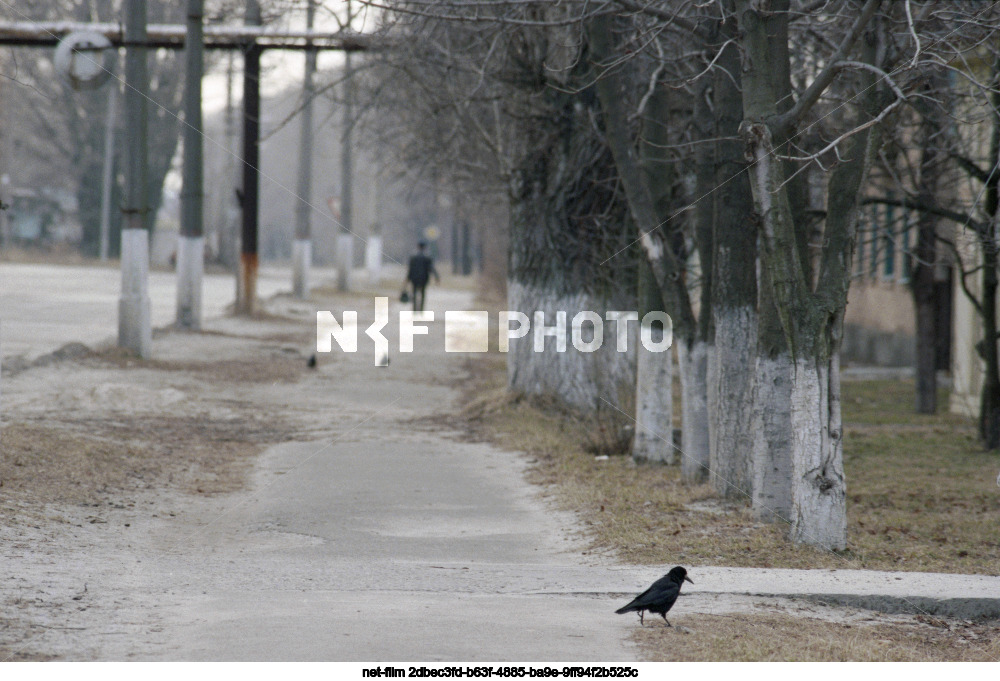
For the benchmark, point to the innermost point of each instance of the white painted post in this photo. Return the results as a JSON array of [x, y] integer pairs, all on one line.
[[373, 258], [301, 261], [345, 261], [190, 272], [134, 331]]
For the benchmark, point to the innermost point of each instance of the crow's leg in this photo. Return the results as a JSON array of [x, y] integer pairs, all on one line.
[[640, 617], [666, 620]]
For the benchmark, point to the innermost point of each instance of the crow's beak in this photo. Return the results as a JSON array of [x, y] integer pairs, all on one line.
[[687, 579]]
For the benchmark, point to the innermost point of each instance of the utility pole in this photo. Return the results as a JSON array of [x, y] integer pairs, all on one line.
[[191, 243], [345, 241], [246, 288], [230, 212], [134, 332], [108, 176], [302, 246]]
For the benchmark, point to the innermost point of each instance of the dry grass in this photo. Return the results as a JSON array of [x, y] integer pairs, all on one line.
[[66, 457], [287, 368], [921, 494], [65, 462], [781, 637]]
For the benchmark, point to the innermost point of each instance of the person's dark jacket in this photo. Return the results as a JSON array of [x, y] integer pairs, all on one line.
[[420, 270]]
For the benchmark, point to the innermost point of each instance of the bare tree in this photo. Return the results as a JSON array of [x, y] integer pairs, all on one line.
[[498, 100], [63, 130]]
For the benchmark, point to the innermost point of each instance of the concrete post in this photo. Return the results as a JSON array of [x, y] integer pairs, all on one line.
[[302, 247], [191, 242], [134, 332], [373, 258], [345, 261]]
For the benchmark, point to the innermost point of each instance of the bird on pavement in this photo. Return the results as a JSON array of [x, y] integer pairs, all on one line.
[[660, 597]]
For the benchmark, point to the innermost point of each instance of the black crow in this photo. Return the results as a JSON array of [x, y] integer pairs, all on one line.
[[660, 597]]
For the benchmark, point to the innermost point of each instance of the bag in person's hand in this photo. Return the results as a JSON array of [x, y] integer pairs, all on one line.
[[404, 297]]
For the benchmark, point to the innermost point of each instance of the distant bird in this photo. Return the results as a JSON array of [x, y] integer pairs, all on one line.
[[312, 362], [660, 597]]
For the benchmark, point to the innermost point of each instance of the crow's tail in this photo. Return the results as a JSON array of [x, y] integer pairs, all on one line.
[[627, 608]]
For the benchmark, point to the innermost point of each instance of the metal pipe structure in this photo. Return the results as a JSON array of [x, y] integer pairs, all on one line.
[[191, 243]]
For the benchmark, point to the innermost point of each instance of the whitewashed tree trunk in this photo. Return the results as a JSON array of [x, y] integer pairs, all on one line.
[[732, 414], [773, 439], [693, 365], [588, 380], [711, 404], [819, 515], [654, 410]]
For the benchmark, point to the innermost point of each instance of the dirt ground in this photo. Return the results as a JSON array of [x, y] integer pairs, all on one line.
[[96, 438]]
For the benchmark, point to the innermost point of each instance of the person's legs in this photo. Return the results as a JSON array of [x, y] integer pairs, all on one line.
[[419, 291]]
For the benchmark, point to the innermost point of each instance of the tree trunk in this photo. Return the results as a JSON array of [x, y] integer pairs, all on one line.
[[924, 287], [693, 361], [819, 492], [732, 383], [734, 291], [654, 403], [774, 441], [810, 307], [989, 413], [774, 438], [654, 391], [581, 379], [557, 265], [772, 425], [698, 351], [925, 304]]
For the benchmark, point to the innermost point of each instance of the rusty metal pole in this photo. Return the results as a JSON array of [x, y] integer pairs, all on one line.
[[246, 290]]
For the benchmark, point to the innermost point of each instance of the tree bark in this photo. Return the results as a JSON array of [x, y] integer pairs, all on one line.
[[933, 156], [654, 409], [693, 361], [590, 381], [923, 286], [772, 420], [734, 290], [556, 265], [654, 402], [811, 314], [989, 410]]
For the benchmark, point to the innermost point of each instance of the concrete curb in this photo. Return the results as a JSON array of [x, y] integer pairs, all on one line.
[[927, 593]]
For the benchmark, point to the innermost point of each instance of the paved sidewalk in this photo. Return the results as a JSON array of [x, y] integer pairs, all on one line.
[[43, 307]]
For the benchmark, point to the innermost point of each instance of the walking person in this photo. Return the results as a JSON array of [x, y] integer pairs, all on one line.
[[419, 273]]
